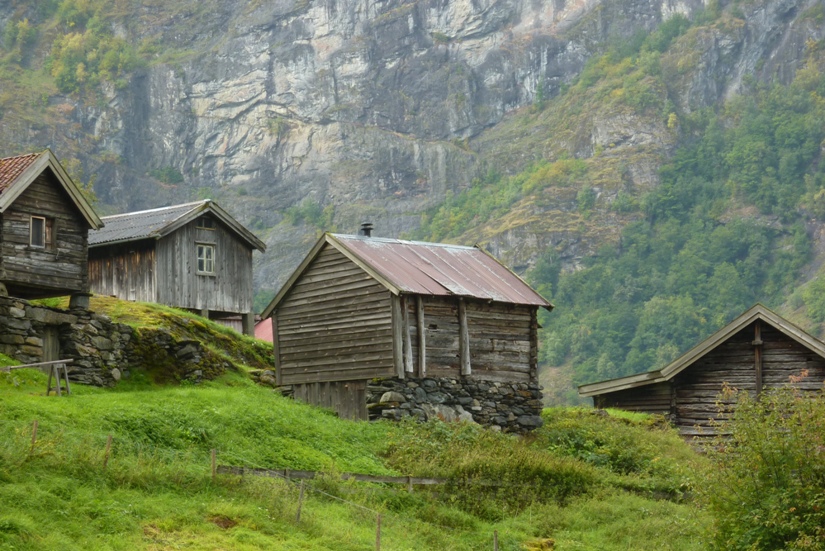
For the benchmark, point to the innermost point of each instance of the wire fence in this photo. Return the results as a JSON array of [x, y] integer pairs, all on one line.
[[30, 440]]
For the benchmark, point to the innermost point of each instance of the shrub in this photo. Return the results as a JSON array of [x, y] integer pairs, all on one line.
[[767, 489]]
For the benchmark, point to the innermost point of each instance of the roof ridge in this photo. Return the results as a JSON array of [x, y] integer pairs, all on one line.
[[158, 209], [403, 241]]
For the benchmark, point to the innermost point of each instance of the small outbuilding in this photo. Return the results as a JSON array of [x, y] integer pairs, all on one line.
[[758, 350], [410, 329], [193, 256], [44, 226]]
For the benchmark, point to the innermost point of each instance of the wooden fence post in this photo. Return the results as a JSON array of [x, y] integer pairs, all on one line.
[[300, 503], [378, 534], [214, 454], [495, 540], [34, 436], [108, 449]]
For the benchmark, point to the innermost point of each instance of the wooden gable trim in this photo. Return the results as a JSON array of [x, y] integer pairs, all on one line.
[[757, 312], [364, 265], [211, 207], [46, 160]]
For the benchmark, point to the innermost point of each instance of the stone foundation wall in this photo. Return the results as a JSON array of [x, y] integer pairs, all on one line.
[[103, 351], [509, 407]]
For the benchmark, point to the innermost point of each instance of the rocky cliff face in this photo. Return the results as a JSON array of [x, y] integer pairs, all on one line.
[[378, 109]]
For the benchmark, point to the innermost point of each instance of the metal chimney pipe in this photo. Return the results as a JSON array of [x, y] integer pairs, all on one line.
[[366, 229]]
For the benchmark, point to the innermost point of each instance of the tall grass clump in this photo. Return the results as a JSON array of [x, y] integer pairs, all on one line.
[[491, 474], [641, 452]]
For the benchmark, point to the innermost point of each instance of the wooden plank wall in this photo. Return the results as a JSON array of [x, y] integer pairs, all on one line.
[[229, 290], [655, 398], [500, 339], [347, 398], [334, 325], [784, 358], [33, 272], [126, 271]]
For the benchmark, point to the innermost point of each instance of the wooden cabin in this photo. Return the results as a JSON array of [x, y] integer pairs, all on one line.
[[193, 256], [44, 226], [360, 308], [758, 350]]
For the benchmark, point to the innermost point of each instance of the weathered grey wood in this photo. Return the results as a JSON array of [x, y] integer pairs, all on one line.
[[464, 339], [407, 348], [276, 343], [59, 268], [421, 337], [397, 337]]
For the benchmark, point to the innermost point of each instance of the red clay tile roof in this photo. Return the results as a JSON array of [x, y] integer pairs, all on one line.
[[12, 167]]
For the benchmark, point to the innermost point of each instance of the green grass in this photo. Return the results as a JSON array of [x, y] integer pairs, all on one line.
[[583, 481]]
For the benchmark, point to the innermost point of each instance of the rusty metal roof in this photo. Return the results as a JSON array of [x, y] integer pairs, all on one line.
[[12, 167], [156, 223], [437, 269]]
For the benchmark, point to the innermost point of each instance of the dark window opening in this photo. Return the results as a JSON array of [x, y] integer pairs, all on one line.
[[41, 232], [206, 223]]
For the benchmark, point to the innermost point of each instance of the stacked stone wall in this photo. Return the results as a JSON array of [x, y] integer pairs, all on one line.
[[102, 351], [509, 407]]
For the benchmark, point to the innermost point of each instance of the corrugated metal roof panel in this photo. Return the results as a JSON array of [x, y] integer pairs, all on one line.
[[441, 270], [143, 224], [12, 167]]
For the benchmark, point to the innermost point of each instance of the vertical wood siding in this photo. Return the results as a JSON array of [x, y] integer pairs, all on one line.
[[347, 398], [31, 272], [126, 271], [179, 284], [334, 325]]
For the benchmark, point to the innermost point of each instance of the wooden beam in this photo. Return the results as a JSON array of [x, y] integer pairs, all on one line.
[[276, 346], [422, 336], [757, 354], [464, 339], [397, 337], [408, 359]]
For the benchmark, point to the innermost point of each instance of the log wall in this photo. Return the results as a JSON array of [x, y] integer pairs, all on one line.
[[59, 269], [692, 398], [335, 324]]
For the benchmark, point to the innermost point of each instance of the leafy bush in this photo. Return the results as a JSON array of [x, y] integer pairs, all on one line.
[[767, 490]]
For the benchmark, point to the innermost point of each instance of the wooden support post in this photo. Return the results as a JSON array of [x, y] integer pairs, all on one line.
[[214, 456], [249, 324], [495, 540], [66, 377], [397, 337], [409, 485], [405, 316], [276, 348], [757, 355], [108, 450], [378, 534], [34, 436], [300, 503], [422, 336], [464, 339]]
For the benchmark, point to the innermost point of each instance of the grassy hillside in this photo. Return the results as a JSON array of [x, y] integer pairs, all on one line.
[[584, 481]]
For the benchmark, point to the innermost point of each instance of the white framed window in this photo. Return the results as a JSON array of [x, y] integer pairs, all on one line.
[[37, 232], [206, 258]]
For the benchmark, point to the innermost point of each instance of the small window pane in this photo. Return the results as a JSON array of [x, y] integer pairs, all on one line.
[[206, 259], [38, 232]]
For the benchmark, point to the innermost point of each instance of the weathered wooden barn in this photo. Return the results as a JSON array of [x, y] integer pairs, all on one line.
[[758, 350], [193, 256], [360, 308], [44, 225]]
